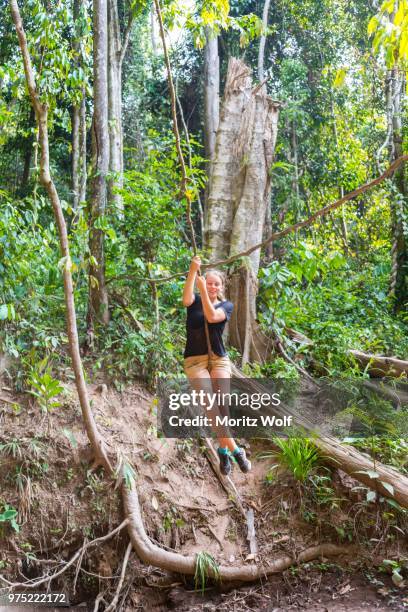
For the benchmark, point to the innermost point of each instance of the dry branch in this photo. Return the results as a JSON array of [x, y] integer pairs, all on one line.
[[113, 604], [32, 584]]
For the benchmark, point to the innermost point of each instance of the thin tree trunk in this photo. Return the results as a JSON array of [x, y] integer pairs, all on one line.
[[75, 155], [115, 107], [98, 295], [343, 223], [28, 153], [261, 76], [153, 36], [399, 251], [79, 171], [262, 41], [211, 96], [41, 114], [82, 149]]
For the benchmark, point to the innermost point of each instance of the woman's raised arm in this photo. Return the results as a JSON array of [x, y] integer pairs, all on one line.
[[188, 291]]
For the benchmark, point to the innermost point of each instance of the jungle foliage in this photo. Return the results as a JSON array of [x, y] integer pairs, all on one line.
[[326, 62]]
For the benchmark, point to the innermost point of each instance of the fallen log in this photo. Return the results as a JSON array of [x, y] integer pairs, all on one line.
[[378, 365], [298, 337], [384, 479], [396, 396]]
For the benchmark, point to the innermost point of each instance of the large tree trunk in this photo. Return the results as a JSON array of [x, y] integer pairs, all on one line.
[[98, 295], [79, 173], [395, 86], [211, 96], [239, 194], [115, 107]]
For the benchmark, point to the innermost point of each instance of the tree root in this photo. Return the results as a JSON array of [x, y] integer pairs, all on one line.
[[34, 583], [112, 605], [151, 554]]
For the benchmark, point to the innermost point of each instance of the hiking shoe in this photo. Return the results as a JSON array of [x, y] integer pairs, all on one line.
[[241, 458], [225, 463]]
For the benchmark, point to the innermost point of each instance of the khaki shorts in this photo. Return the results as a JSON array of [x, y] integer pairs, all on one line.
[[194, 366]]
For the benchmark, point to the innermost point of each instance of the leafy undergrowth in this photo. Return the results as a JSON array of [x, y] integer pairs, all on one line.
[[50, 501], [339, 302]]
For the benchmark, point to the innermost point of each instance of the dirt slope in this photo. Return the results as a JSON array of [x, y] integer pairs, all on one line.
[[44, 474]]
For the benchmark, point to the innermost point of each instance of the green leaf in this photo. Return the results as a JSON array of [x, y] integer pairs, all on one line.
[[388, 487], [388, 6], [372, 25], [371, 496], [3, 312], [8, 515], [370, 473], [340, 77]]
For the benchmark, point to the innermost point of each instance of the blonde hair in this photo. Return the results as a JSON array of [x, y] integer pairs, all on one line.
[[222, 277]]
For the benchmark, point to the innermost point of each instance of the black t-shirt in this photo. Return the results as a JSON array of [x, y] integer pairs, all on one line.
[[196, 337]]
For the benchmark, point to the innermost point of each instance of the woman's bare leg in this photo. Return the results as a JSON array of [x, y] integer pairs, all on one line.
[[203, 381], [220, 379]]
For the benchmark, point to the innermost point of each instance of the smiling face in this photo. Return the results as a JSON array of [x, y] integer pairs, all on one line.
[[214, 285]]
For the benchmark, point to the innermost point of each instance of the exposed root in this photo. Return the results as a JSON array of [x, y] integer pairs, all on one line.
[[32, 584], [112, 605], [151, 554]]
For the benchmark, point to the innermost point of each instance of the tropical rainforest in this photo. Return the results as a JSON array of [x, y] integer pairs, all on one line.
[[270, 139]]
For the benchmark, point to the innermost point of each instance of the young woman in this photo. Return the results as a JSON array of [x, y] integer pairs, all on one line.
[[210, 372]]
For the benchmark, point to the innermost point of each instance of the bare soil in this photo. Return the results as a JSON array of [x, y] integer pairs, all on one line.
[[44, 474]]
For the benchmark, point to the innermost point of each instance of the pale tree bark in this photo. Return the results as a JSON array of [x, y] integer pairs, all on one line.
[[28, 153], [211, 95], [153, 36], [239, 193], [117, 49], [41, 115], [98, 295], [262, 41], [79, 172], [343, 226], [115, 107]]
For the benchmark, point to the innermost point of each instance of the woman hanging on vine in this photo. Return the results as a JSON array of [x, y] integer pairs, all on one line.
[[208, 367]]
